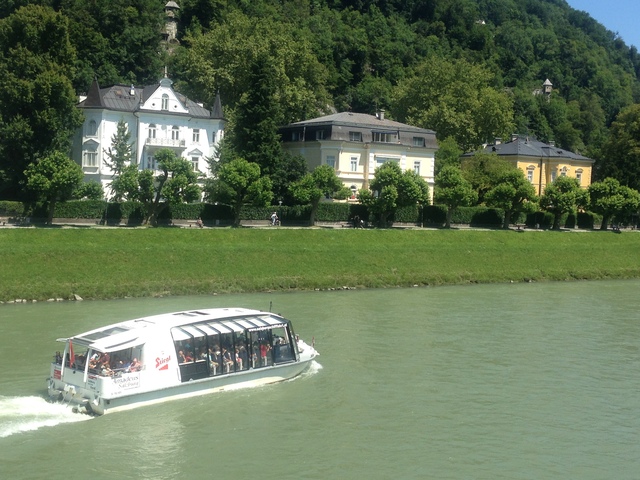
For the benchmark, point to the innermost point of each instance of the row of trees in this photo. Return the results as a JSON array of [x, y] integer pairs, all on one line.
[[509, 190], [239, 182]]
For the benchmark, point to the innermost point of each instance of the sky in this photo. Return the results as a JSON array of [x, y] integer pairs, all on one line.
[[616, 15]]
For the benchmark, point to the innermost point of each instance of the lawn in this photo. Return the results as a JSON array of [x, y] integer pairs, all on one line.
[[111, 263]]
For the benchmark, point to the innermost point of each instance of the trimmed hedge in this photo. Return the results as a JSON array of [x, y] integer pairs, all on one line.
[[133, 213], [11, 209]]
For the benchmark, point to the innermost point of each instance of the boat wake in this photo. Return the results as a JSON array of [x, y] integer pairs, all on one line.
[[23, 414]]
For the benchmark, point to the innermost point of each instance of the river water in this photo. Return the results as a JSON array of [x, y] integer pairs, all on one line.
[[523, 381]]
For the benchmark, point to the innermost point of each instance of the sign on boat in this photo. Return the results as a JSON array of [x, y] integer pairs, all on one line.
[[175, 355]]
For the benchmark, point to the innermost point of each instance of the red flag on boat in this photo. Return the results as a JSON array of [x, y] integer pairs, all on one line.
[[72, 357]]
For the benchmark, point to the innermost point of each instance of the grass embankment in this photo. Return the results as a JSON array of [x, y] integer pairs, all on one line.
[[111, 263]]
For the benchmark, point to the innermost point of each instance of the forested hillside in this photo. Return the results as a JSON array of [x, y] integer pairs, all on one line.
[[465, 68]]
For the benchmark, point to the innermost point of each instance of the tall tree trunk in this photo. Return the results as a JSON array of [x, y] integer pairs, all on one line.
[[449, 215], [507, 219], [50, 212], [314, 210], [605, 222]]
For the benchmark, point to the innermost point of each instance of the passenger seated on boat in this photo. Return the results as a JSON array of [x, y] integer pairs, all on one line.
[[226, 358], [106, 371], [58, 358], [135, 365], [213, 363], [181, 357], [105, 359], [239, 361]]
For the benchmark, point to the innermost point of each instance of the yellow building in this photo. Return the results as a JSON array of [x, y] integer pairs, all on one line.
[[542, 162]]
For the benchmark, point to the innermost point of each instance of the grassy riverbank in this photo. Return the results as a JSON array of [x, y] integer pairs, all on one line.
[[111, 263]]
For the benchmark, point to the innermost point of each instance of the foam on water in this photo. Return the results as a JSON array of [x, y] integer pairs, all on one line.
[[23, 414]]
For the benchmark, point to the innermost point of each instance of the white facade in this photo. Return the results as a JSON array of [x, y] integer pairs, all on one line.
[[156, 117]]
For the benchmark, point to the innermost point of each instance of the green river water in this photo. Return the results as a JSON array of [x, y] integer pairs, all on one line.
[[522, 381]]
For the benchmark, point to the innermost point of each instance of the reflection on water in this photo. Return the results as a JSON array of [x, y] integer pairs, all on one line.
[[491, 381]]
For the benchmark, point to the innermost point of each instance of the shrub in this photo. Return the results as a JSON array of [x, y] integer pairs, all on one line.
[[478, 216], [11, 209], [434, 215], [93, 209], [588, 219]]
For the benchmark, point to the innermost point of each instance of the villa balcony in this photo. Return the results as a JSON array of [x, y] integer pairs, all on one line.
[[165, 143]]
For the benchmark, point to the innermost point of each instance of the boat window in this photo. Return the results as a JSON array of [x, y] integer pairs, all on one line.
[[282, 351], [227, 350], [115, 363], [241, 355], [76, 356], [261, 353]]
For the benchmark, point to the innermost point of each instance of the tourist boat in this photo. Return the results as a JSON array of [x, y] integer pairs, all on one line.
[[175, 355]]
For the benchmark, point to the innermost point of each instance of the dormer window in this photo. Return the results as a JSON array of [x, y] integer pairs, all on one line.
[[384, 137], [320, 135], [355, 136], [418, 142], [165, 101]]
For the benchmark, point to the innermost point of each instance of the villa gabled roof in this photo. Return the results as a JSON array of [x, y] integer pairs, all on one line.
[[129, 98], [361, 120], [523, 146]]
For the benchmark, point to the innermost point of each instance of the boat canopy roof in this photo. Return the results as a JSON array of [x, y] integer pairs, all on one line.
[[189, 323]]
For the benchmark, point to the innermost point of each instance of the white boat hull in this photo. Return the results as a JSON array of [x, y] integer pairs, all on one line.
[[96, 405]]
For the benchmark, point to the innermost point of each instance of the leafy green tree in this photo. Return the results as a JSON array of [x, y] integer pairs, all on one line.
[[89, 191], [176, 183], [621, 152], [238, 183], [513, 193], [118, 41], [391, 188], [448, 153], [483, 170], [562, 196], [255, 136], [53, 179], [117, 157], [288, 170], [37, 101], [456, 99], [453, 191], [322, 182], [610, 199], [234, 56]]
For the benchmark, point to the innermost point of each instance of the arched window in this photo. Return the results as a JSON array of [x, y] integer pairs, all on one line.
[[165, 101], [92, 129], [175, 133], [152, 130]]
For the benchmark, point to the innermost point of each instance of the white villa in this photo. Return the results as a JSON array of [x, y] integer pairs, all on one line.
[[156, 117]]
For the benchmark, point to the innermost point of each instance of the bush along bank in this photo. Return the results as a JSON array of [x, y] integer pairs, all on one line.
[[133, 214]]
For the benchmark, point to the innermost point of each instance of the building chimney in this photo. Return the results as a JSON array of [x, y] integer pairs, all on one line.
[[514, 137], [380, 114], [497, 141], [552, 143]]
